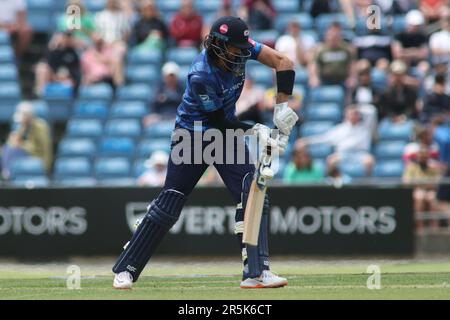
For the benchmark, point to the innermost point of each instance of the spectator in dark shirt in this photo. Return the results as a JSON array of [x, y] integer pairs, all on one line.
[[319, 7], [62, 63], [258, 13], [186, 26], [411, 46], [365, 92], [168, 97], [375, 47], [399, 102], [150, 30], [436, 102]]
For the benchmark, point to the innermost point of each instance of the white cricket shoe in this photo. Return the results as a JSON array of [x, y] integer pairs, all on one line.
[[123, 281], [266, 280]]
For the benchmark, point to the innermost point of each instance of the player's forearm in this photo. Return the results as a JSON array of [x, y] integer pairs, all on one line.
[[219, 121]]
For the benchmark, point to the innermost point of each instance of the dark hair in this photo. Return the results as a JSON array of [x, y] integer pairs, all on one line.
[[440, 78]]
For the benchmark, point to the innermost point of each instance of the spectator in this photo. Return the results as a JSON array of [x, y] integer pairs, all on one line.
[[319, 7], [333, 60], [424, 176], [432, 9], [33, 134], [440, 42], [399, 102], [186, 26], [87, 24], [61, 64], [155, 170], [394, 7], [296, 45], [258, 13], [365, 92], [11, 151], [102, 64], [150, 30], [352, 139], [411, 46], [168, 96], [436, 103], [302, 168], [13, 20], [249, 107], [424, 137], [113, 23], [336, 178], [438, 68], [374, 47]]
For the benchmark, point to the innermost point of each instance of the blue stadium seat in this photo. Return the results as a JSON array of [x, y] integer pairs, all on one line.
[[301, 76], [400, 131], [390, 150], [59, 109], [40, 22], [161, 129], [362, 27], [261, 75], [90, 110], [182, 56], [95, 5], [76, 182], [8, 72], [10, 92], [84, 128], [29, 167], [136, 92], [147, 147], [139, 167], [6, 54], [4, 38], [389, 169], [268, 37], [324, 112], [31, 182], [101, 91], [182, 76], [320, 151], [72, 167], [130, 128], [353, 169], [44, 5], [205, 7], [304, 19], [145, 57], [41, 109], [315, 127], [131, 109], [123, 147], [116, 167], [77, 147], [7, 110], [328, 94], [286, 5], [167, 6], [58, 91], [379, 79], [323, 21], [147, 74], [399, 24]]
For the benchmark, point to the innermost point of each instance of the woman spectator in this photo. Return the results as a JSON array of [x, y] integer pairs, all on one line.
[[150, 31], [258, 13], [186, 26], [302, 168]]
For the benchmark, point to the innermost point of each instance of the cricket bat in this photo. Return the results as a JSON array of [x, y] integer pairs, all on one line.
[[255, 201]]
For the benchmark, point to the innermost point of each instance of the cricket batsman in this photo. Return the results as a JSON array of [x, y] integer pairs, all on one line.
[[214, 84]]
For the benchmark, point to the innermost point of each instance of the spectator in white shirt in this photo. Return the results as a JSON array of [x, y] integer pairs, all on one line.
[[296, 45], [440, 41], [156, 168], [13, 19], [352, 139], [113, 23]]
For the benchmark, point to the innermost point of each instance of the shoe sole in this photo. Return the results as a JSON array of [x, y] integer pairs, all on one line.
[[261, 286], [122, 288]]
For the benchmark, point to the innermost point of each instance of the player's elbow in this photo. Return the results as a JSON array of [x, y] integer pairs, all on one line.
[[285, 63]]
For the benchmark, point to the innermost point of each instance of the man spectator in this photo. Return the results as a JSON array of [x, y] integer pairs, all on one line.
[[374, 47], [155, 170], [364, 92], [113, 24], [411, 46], [150, 31], [432, 9], [440, 41], [302, 168], [168, 96], [438, 68], [34, 134], [61, 64], [258, 13], [102, 64], [83, 34], [186, 26], [11, 151], [296, 45], [13, 19], [352, 139], [436, 103], [250, 104], [399, 102], [333, 60], [424, 137]]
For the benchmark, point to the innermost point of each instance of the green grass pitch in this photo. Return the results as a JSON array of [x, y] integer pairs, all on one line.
[[185, 280]]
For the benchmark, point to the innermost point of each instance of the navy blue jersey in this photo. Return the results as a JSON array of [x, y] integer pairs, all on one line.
[[209, 89]]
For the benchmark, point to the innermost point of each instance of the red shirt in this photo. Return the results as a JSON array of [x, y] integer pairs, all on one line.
[[187, 31]]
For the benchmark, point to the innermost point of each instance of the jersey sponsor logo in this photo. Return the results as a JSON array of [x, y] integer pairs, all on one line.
[[252, 42], [223, 29]]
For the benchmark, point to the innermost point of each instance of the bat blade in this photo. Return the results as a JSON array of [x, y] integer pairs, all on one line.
[[253, 213]]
